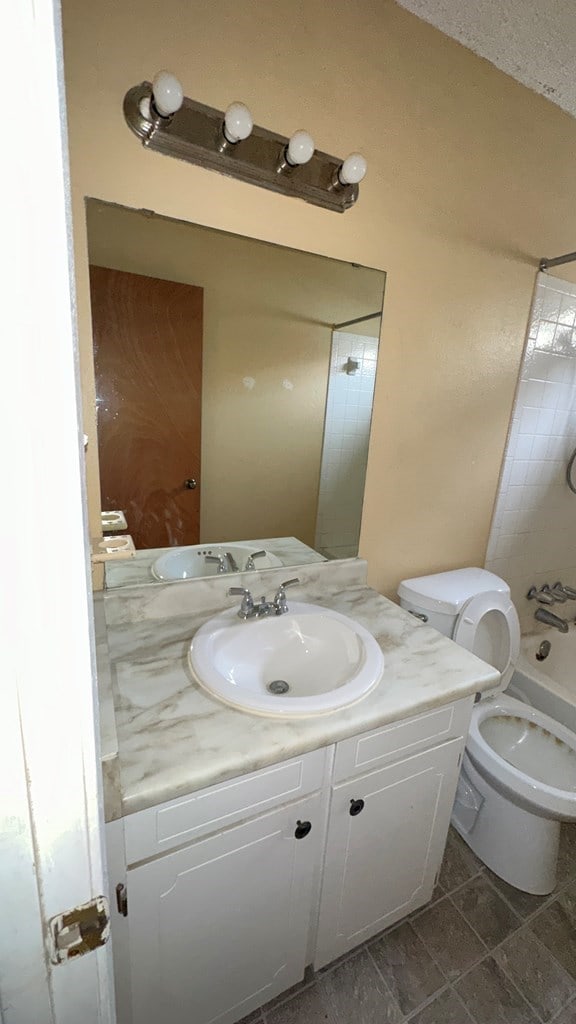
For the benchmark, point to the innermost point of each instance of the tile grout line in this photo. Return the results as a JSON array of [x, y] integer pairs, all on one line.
[[523, 922], [431, 953], [490, 953], [384, 982], [444, 895]]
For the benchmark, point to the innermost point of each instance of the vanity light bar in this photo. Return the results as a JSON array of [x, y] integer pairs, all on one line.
[[228, 142]]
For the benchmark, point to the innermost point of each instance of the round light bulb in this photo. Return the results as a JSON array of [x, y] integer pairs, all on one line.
[[238, 122], [300, 148], [353, 169], [167, 92]]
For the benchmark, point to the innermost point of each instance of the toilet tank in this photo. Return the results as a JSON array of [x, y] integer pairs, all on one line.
[[442, 595]]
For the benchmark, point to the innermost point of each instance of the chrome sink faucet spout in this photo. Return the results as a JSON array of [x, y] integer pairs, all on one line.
[[250, 609]]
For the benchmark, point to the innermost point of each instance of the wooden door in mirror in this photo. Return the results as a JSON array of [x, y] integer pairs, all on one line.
[[148, 366]]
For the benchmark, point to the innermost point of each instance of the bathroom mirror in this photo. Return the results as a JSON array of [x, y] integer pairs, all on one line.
[[234, 387]]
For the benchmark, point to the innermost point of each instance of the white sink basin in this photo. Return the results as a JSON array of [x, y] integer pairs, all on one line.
[[317, 660], [190, 562]]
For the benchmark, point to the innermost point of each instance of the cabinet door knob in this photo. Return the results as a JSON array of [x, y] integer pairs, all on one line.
[[190, 484], [302, 829], [355, 807]]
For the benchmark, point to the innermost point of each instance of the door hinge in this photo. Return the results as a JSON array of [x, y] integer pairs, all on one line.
[[79, 931], [122, 899]]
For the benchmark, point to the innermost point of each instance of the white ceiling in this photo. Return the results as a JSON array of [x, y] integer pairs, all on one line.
[[534, 41]]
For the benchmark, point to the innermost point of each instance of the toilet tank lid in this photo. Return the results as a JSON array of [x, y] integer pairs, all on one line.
[[449, 591]]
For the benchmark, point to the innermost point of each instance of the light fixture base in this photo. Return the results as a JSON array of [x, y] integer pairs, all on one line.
[[194, 134]]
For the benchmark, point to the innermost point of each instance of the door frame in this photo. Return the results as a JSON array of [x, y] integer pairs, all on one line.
[[51, 822]]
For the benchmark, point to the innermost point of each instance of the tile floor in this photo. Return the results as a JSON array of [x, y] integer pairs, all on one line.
[[480, 953]]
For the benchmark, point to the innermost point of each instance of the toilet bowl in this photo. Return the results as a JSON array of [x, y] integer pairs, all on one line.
[[518, 774]]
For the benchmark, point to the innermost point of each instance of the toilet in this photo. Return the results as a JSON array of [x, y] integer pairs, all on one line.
[[518, 776]]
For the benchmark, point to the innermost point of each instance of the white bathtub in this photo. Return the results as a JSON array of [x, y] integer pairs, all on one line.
[[549, 685]]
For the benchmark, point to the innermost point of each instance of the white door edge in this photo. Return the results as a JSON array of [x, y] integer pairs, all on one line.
[[50, 813]]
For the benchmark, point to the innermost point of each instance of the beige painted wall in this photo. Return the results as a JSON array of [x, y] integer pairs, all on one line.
[[268, 313], [471, 180]]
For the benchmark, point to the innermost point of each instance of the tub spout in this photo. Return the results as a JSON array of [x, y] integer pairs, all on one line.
[[545, 615]]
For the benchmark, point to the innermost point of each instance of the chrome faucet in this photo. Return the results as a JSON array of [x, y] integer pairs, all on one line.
[[233, 564], [247, 608], [226, 562], [548, 617], [250, 559], [568, 592], [280, 604], [222, 565], [250, 609], [543, 595], [557, 592]]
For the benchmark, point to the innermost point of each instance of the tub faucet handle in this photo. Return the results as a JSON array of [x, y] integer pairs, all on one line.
[[556, 591], [568, 592], [543, 596]]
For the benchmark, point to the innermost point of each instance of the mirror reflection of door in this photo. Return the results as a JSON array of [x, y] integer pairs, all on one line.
[[149, 408]]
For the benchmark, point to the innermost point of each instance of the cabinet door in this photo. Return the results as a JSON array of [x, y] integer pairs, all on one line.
[[381, 861], [220, 927]]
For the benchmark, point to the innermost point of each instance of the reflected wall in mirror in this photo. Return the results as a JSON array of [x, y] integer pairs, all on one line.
[[234, 396]]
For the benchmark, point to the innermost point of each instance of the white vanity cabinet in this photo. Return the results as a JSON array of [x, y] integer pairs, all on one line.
[[219, 891], [233, 890], [220, 927], [385, 841], [388, 825]]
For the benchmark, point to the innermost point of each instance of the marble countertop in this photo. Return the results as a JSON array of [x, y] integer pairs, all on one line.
[[138, 570], [172, 737]]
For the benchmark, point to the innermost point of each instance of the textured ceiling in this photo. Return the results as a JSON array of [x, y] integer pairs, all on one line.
[[534, 41]]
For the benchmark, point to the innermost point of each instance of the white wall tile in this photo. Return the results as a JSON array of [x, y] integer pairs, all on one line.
[[533, 536]]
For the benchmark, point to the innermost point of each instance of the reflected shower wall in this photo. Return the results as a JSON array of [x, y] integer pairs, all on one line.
[[345, 443]]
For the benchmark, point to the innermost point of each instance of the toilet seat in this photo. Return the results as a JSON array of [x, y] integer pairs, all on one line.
[[488, 626], [506, 736]]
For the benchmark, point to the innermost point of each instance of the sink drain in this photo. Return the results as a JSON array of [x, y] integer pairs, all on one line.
[[278, 686]]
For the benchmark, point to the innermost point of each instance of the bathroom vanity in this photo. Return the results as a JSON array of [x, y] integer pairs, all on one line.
[[243, 849]]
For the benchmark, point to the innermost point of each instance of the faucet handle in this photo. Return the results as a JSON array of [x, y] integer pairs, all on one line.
[[557, 592], [280, 597], [289, 583], [247, 605], [250, 559], [543, 595], [218, 559]]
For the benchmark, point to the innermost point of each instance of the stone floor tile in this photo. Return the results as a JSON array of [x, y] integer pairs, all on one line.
[[567, 854], [407, 967], [355, 991], [489, 915], [445, 1008], [308, 1007], [449, 938], [540, 978], [524, 903], [568, 1016], [491, 998], [459, 863], [556, 928]]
